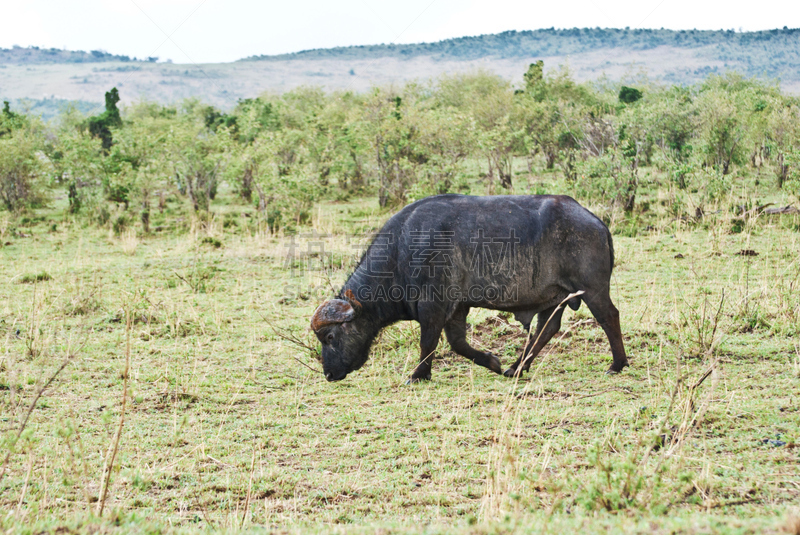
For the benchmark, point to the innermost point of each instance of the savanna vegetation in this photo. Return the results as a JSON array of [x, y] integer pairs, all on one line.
[[160, 263]]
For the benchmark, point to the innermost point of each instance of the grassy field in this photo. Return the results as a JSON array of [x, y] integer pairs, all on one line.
[[226, 426]]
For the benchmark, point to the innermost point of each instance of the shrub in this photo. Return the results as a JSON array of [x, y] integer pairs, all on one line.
[[792, 183], [21, 171], [120, 224], [629, 95], [213, 242]]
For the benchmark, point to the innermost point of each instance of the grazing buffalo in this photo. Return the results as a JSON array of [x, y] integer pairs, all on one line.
[[440, 256]]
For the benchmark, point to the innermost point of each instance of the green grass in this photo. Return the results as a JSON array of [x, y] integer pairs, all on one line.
[[32, 278], [229, 427]]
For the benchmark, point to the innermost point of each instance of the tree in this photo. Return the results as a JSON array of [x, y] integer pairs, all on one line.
[[731, 113], [100, 125], [143, 147], [541, 128], [720, 130], [449, 137], [9, 120], [22, 169], [340, 149], [673, 122], [285, 195], [256, 115], [197, 157], [394, 143], [353, 154], [534, 77], [214, 119], [76, 157], [784, 140], [489, 101], [629, 95]]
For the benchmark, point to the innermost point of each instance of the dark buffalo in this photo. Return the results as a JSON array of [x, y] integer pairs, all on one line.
[[441, 256]]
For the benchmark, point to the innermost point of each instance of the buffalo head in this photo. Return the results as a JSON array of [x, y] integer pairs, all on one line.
[[345, 343]]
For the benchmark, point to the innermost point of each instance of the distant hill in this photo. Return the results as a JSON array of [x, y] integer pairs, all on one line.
[[45, 78], [773, 53], [34, 55]]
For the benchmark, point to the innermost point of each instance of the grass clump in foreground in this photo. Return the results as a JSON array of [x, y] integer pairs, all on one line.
[[226, 426], [32, 278]]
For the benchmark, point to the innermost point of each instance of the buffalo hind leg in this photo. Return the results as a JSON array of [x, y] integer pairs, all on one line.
[[536, 341], [456, 331], [607, 316]]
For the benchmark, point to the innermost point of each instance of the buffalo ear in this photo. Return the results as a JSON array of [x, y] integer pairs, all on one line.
[[351, 298], [332, 312]]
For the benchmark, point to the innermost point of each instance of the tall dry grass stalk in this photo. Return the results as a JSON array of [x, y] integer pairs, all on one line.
[[38, 336], [633, 472], [113, 448], [692, 410], [204, 224], [128, 241], [503, 481], [11, 444], [39, 392], [246, 510], [5, 223]]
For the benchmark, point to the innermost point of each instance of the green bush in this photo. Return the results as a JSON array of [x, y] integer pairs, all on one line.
[[23, 182], [213, 242], [629, 95], [119, 224]]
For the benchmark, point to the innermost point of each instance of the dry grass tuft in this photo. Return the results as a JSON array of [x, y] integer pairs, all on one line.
[[5, 223], [129, 242]]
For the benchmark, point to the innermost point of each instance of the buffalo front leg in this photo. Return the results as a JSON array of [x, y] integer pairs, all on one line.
[[607, 316], [545, 330], [456, 331], [431, 325]]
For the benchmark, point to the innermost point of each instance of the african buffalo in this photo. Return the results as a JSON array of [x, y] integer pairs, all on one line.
[[440, 256]]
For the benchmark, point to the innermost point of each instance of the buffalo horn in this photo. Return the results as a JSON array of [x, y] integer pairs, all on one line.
[[332, 312]]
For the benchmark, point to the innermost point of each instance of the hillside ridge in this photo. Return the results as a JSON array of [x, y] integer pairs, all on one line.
[[43, 79], [33, 55], [551, 42]]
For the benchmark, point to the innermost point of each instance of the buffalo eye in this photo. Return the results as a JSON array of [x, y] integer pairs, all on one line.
[[329, 338]]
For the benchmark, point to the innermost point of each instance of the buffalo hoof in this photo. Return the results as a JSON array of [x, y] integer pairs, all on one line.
[[415, 380], [614, 370], [494, 364], [511, 372]]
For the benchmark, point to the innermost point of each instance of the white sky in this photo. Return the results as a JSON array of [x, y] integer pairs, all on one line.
[[198, 31]]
